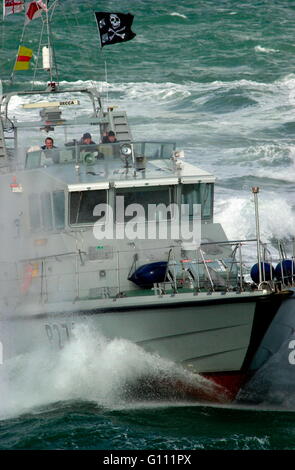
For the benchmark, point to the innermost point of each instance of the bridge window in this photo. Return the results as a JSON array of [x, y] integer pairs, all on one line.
[[59, 209], [35, 212], [82, 205], [47, 211], [160, 196], [200, 193]]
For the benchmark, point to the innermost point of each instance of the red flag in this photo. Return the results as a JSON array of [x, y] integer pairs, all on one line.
[[34, 10]]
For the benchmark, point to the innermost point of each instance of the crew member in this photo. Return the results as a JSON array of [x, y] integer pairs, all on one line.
[[50, 151], [109, 138], [86, 139], [49, 144]]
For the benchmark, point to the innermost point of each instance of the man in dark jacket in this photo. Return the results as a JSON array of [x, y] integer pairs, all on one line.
[[109, 138], [86, 139]]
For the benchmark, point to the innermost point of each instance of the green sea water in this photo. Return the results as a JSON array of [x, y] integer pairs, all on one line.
[[219, 78], [86, 426]]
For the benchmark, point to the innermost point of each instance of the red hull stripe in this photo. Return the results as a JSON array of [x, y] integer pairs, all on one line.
[[23, 58], [232, 382]]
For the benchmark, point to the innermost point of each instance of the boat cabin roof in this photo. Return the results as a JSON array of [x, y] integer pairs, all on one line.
[[84, 167]]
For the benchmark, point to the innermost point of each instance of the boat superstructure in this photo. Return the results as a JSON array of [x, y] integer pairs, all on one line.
[[185, 302], [120, 236]]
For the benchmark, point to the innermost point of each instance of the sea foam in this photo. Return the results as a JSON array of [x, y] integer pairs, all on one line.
[[237, 215], [110, 373]]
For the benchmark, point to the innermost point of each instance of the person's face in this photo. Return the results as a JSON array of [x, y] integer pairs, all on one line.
[[49, 143], [112, 138], [87, 141]]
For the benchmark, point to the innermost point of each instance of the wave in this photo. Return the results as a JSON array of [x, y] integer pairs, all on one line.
[[228, 96], [285, 175], [271, 154], [237, 215], [227, 102], [180, 15], [266, 50], [144, 89], [91, 368]]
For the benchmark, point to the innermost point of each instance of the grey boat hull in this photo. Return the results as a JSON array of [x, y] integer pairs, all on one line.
[[205, 333]]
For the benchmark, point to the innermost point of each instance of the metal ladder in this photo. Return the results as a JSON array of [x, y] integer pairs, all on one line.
[[119, 124], [3, 152]]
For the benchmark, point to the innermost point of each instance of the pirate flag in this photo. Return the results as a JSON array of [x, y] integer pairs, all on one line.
[[114, 27]]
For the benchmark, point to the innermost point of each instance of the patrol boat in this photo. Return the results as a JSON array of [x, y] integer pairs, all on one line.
[[73, 254]]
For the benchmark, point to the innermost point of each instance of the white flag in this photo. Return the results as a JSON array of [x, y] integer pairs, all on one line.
[[12, 6], [42, 5]]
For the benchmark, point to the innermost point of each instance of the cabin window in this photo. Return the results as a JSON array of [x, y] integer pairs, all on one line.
[[34, 210], [206, 190], [59, 209], [161, 196], [82, 205], [200, 193], [33, 159], [153, 150], [47, 211]]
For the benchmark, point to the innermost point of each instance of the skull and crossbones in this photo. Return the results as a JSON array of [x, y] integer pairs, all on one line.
[[115, 22]]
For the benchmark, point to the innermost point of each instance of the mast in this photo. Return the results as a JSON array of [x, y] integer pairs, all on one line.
[[46, 48], [45, 60]]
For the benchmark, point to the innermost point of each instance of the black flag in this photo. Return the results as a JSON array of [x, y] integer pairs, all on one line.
[[114, 27]]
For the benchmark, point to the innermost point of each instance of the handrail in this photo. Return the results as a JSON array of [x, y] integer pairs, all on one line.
[[207, 270], [184, 274]]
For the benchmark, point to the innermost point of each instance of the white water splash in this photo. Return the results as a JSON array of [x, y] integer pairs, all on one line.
[[237, 215], [90, 368], [180, 15], [266, 50]]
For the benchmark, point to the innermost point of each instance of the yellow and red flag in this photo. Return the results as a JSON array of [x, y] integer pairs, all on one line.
[[23, 58]]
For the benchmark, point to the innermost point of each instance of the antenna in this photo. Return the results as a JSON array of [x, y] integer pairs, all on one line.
[[106, 80]]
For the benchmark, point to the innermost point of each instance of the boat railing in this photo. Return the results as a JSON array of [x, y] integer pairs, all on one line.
[[234, 271], [202, 272]]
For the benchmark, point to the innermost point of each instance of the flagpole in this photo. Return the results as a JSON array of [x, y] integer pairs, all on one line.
[[49, 43], [98, 31], [105, 63], [20, 43], [38, 55], [12, 73], [2, 36], [106, 80], [51, 9]]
